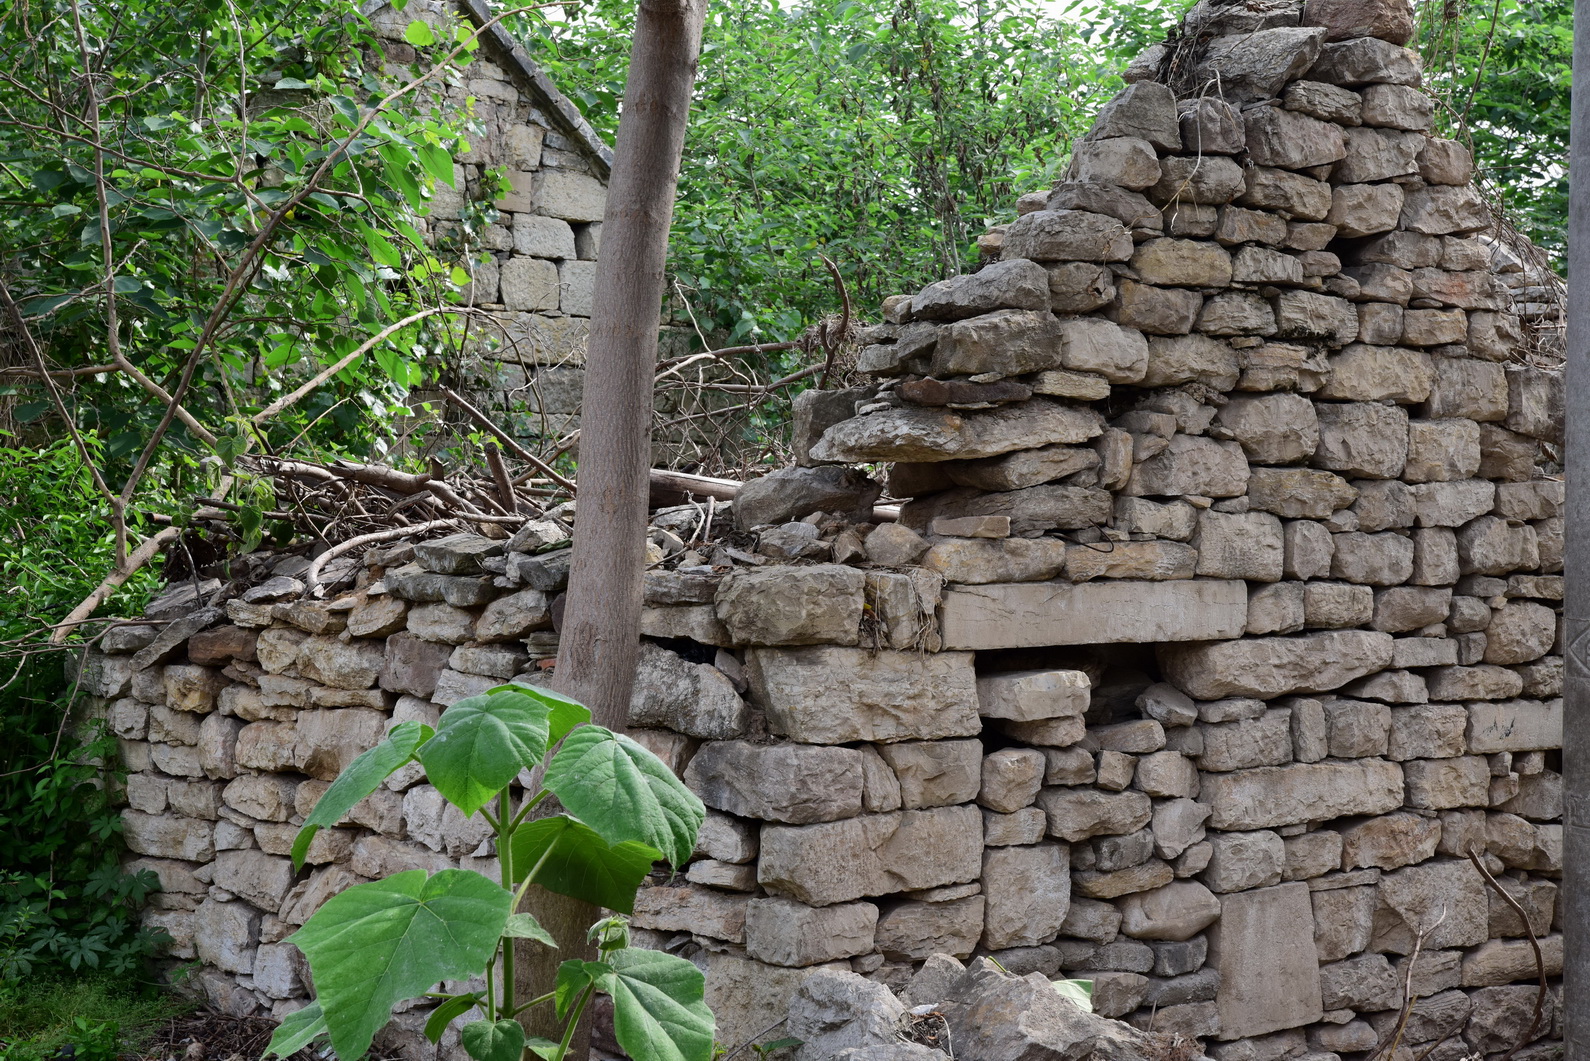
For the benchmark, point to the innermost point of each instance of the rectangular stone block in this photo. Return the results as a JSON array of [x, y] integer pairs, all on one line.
[[1273, 796], [875, 854], [1515, 726], [1263, 946], [1033, 614], [830, 695]]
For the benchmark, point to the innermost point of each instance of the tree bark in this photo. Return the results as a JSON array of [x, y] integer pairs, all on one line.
[[1576, 602], [600, 638]]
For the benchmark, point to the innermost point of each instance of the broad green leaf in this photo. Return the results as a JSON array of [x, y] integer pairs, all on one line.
[[567, 713], [419, 34], [543, 1048], [625, 792], [362, 777], [1078, 991], [376, 944], [125, 285], [574, 860], [658, 1008], [482, 743], [447, 1012], [501, 1040], [573, 977], [287, 83], [296, 1031], [437, 162], [381, 250], [525, 926]]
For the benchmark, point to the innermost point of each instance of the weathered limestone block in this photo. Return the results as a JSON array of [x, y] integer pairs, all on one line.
[[1077, 814], [782, 932], [1273, 796], [1474, 390], [1492, 546], [691, 908], [1027, 892], [169, 836], [1146, 110], [1017, 615], [874, 854], [1364, 209], [1192, 465], [1384, 559], [1366, 60], [1428, 731], [1391, 842], [1026, 696], [1011, 471], [1175, 912], [1256, 65], [1362, 439], [443, 622], [1011, 284], [1177, 359], [225, 935], [1415, 898], [1306, 315], [1031, 511], [1389, 20], [1364, 373], [695, 699], [793, 605], [793, 783], [1275, 666], [413, 664], [1452, 504], [1263, 947], [1240, 861], [1336, 606], [1442, 784], [983, 560], [1278, 189], [1007, 341], [1289, 140], [1181, 263], [935, 773], [352, 664], [1011, 778], [1519, 632], [913, 931], [1514, 726], [1126, 161], [883, 696], [1069, 235], [1165, 311], [1112, 884], [1247, 743], [1211, 126], [1272, 428], [1299, 492], [925, 434]]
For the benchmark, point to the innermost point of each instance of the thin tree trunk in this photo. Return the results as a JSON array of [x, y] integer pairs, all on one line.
[[601, 619]]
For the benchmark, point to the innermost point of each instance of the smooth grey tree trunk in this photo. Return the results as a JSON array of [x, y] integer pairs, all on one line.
[[600, 636], [1576, 606]]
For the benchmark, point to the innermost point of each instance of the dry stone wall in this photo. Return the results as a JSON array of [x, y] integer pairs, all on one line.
[[1217, 636]]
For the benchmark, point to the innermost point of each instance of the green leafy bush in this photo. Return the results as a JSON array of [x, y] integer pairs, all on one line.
[[378, 944], [66, 906]]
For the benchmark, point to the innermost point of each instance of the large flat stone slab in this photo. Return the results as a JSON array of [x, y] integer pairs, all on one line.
[[1267, 667], [1035, 614], [1272, 796], [1263, 946]]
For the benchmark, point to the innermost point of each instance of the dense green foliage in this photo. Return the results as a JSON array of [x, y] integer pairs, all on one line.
[[65, 904], [1503, 72], [378, 944], [885, 134]]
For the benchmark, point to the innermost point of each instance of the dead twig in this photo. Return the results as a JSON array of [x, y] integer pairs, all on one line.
[[1540, 959]]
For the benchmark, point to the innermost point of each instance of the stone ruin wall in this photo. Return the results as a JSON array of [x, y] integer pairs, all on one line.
[[1220, 624]]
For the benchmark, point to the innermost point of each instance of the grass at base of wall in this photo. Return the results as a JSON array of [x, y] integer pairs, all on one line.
[[99, 1018]]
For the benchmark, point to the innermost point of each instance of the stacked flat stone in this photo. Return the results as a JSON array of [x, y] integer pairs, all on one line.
[[1219, 629]]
